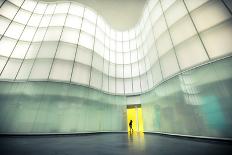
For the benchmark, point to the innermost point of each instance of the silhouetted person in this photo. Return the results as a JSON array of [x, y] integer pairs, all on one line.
[[130, 125]]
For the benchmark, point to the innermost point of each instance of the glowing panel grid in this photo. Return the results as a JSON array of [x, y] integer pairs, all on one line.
[[69, 42]]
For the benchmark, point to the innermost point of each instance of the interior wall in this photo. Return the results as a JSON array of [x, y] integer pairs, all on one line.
[[196, 103]]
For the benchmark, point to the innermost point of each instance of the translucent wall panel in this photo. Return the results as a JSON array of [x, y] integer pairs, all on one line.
[[150, 79], [164, 44], [182, 30], [175, 12], [53, 34], [34, 20], [119, 86], [6, 46], [90, 15], [144, 82], [119, 71], [73, 21], [11, 69], [156, 72], [127, 71], [3, 61], [88, 27], [128, 86], [169, 64], [190, 53], [86, 40], [70, 35], [81, 74], [194, 4], [57, 20], [136, 85], [84, 55], [33, 50], [76, 9], [218, 40], [28, 33], [126, 58], [16, 2], [159, 27], [135, 69], [40, 8], [41, 69], [100, 35], [61, 70], [50, 9], [111, 84], [97, 62], [3, 24], [45, 20], [29, 5], [112, 70], [48, 49], [39, 35], [66, 51], [96, 79], [215, 13], [99, 48], [22, 16], [14, 30], [20, 49], [25, 69], [61, 8], [8, 10], [105, 83]]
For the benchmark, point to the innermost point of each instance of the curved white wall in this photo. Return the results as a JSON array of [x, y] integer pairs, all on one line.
[[69, 42]]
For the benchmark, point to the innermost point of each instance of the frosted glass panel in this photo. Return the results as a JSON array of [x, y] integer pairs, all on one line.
[[218, 40], [70, 35], [127, 71], [22, 16], [3, 61], [34, 20], [28, 33], [20, 49], [66, 51], [159, 27], [112, 70], [40, 8], [119, 86], [88, 27], [29, 5], [144, 82], [8, 10], [150, 79], [25, 70], [214, 11], [96, 79], [126, 57], [45, 20], [111, 85], [53, 34], [84, 55], [157, 75], [6, 46], [39, 35], [73, 21], [33, 50], [182, 30], [57, 20], [3, 24], [119, 71], [90, 15], [76, 9], [40, 70], [135, 69], [164, 44], [61, 70], [105, 83], [190, 53], [128, 85], [169, 64], [50, 8], [194, 4], [136, 85], [81, 74], [175, 12], [11, 69], [61, 8], [97, 62], [86, 40], [48, 50], [100, 35], [14, 30], [99, 48]]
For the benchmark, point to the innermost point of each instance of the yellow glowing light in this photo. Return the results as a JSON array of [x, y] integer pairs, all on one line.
[[135, 114]]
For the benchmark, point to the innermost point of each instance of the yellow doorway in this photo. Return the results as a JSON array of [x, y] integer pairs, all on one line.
[[134, 113]]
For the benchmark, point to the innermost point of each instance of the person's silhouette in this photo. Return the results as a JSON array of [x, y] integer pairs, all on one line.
[[130, 125]]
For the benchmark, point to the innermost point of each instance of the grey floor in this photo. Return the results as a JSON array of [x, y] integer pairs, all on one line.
[[102, 144]]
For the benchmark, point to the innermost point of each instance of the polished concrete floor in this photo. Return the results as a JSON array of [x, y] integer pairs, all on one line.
[[112, 144]]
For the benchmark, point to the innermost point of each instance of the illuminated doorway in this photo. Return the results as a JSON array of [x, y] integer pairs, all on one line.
[[134, 113]]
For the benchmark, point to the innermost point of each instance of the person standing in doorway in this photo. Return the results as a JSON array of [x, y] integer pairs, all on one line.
[[130, 125]]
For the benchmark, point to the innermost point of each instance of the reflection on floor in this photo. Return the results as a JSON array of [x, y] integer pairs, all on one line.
[[112, 144]]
